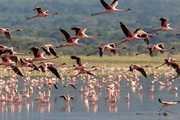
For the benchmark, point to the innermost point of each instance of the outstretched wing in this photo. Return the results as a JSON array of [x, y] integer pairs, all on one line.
[[53, 51], [163, 22], [113, 50], [46, 51], [16, 70], [54, 71], [35, 50], [65, 33], [100, 52], [125, 30], [78, 60], [114, 3], [142, 71], [39, 9], [8, 35], [77, 29], [62, 96], [105, 4], [14, 58]]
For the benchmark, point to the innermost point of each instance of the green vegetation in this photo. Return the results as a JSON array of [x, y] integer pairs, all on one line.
[[39, 31], [114, 61]]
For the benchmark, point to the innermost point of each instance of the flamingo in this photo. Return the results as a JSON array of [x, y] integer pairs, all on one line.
[[165, 26], [156, 48], [50, 67], [4, 47], [48, 49], [132, 36], [172, 62], [168, 61], [79, 63], [138, 68], [70, 84], [41, 13], [80, 33], [67, 98], [7, 32], [71, 41], [8, 62], [165, 104], [16, 70], [110, 8], [81, 67], [39, 56], [108, 47], [142, 34]]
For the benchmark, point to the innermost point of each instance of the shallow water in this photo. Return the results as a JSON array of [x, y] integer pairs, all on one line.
[[143, 105]]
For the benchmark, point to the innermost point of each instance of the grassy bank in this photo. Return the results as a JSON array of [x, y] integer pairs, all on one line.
[[116, 61]]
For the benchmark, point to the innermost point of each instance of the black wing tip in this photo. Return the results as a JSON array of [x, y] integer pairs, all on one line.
[[55, 86], [159, 100]]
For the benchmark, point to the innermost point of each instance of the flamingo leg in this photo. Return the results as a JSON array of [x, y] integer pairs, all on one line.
[[92, 53]]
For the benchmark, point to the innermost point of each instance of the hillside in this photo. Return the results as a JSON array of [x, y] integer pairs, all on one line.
[[39, 31]]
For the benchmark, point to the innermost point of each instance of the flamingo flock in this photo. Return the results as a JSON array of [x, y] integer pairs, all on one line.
[[42, 63]]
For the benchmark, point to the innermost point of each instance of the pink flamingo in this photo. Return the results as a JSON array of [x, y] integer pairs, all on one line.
[[41, 13], [165, 26], [110, 8], [132, 36], [7, 32], [80, 33]]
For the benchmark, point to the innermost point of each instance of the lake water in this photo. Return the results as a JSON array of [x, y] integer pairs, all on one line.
[[142, 105]]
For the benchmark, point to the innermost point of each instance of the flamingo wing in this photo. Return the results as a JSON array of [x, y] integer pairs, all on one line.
[[16, 70], [35, 50], [46, 51], [66, 34], [105, 4], [39, 10], [53, 51], [7, 34], [142, 71], [77, 29], [62, 96], [114, 3], [125, 30], [78, 60], [163, 22], [54, 71], [14, 58]]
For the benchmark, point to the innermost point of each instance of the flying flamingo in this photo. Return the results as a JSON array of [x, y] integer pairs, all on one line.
[[41, 13], [71, 41], [67, 98], [80, 33], [172, 62], [4, 47], [165, 104], [70, 84], [108, 47], [81, 67], [156, 48], [79, 63], [48, 49], [165, 26], [7, 32], [51, 68], [131, 36], [138, 68], [142, 34], [38, 55], [110, 8], [8, 62], [168, 61]]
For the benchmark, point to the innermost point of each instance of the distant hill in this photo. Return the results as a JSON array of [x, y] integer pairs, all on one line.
[[39, 31]]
